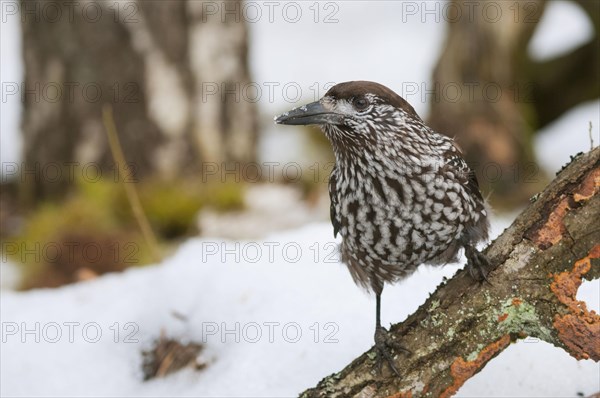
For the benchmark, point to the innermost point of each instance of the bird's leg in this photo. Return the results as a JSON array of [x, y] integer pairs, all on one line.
[[383, 343], [478, 264]]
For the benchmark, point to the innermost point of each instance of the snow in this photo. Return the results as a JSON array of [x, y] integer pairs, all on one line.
[[548, 42], [276, 316], [268, 208], [11, 73], [590, 293], [567, 136], [273, 294], [10, 274]]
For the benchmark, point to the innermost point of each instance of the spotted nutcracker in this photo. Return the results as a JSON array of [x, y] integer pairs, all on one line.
[[401, 194]]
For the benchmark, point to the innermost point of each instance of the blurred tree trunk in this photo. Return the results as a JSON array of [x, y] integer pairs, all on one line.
[[162, 65], [492, 96]]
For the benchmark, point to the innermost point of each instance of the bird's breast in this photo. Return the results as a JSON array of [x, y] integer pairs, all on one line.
[[398, 218]]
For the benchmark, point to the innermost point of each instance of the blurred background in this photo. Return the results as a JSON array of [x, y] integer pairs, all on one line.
[[131, 130]]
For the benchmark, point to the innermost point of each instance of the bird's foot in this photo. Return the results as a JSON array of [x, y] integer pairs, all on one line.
[[383, 347], [478, 264]]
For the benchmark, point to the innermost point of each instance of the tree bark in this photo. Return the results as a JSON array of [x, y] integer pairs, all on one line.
[[153, 62], [539, 263]]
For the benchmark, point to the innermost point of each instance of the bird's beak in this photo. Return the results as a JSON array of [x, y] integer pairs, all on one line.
[[313, 113]]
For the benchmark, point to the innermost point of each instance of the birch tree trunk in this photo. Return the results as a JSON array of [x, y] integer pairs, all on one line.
[[157, 63]]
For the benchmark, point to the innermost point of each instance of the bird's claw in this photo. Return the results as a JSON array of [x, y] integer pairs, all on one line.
[[383, 345], [478, 265]]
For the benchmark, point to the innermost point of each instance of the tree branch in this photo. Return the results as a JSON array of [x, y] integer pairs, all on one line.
[[539, 262]]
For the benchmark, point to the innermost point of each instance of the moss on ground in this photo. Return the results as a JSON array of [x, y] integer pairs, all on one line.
[[94, 230]]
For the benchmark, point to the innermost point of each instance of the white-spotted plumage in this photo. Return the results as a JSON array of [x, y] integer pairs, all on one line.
[[401, 194]]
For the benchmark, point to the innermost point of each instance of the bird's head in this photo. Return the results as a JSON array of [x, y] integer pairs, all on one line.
[[355, 112]]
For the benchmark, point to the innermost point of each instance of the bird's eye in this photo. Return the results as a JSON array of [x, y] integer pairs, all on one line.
[[361, 103]]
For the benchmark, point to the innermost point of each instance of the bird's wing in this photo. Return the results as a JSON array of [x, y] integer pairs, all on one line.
[[455, 160], [480, 230], [333, 198]]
